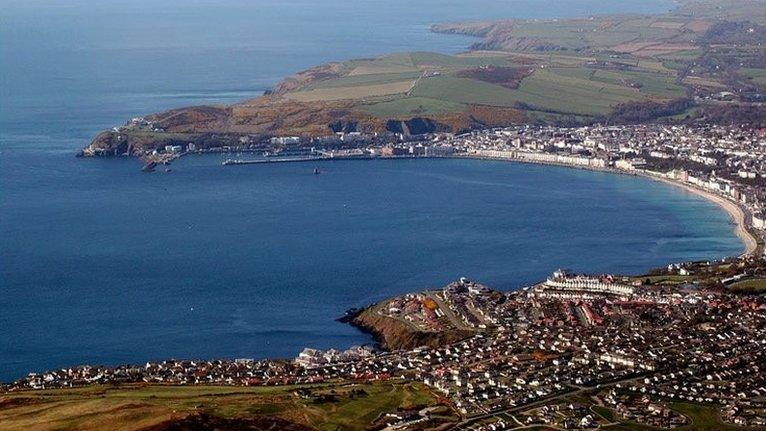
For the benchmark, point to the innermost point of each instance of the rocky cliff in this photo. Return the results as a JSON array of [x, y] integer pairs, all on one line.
[[394, 334]]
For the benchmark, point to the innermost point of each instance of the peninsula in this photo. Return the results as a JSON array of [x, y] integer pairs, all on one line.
[[696, 72], [701, 62]]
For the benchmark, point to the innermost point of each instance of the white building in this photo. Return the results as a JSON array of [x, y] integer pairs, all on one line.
[[560, 280]]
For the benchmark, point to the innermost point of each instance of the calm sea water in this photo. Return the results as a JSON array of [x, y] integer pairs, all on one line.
[[101, 263]]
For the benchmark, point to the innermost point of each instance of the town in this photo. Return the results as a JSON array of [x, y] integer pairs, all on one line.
[[572, 352]]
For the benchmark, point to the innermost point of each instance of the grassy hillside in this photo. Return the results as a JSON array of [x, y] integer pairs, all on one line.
[[403, 85], [324, 407], [330, 407]]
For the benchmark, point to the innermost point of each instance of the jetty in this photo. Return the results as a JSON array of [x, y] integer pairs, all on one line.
[[230, 162]]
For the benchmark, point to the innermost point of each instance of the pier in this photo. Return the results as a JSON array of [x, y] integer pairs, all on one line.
[[230, 162]]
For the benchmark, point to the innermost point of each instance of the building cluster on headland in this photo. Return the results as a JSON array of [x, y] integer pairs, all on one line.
[[634, 347]]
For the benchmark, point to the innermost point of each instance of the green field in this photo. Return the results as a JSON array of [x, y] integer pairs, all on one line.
[[668, 279], [757, 75], [464, 90], [571, 90], [702, 418], [563, 84], [365, 79], [355, 407], [749, 286], [565, 90], [435, 61], [412, 106]]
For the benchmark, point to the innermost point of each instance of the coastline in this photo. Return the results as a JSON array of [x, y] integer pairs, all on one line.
[[739, 215]]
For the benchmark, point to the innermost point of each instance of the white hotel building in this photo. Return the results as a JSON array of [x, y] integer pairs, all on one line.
[[562, 281]]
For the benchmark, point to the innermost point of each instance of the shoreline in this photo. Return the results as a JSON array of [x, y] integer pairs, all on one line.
[[739, 215]]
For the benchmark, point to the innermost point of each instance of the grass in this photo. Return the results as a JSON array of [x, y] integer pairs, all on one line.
[[629, 426], [757, 75], [567, 34], [604, 412], [464, 90], [555, 59], [384, 86], [757, 285], [352, 92], [570, 90], [360, 412], [136, 407], [576, 34], [412, 106], [365, 79], [685, 55], [577, 90], [668, 279], [653, 84], [703, 418], [432, 60]]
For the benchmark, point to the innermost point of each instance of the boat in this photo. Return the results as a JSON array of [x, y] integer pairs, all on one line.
[[149, 166]]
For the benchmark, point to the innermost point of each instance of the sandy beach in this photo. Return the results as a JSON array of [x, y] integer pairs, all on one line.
[[738, 214]]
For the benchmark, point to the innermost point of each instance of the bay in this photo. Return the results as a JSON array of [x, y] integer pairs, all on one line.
[[101, 263]]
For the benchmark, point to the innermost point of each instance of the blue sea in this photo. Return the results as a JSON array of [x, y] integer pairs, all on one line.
[[101, 263]]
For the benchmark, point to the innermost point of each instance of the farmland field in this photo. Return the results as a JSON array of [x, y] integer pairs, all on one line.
[[412, 106], [365, 79], [351, 407], [463, 90], [423, 83], [351, 91]]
